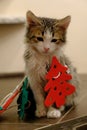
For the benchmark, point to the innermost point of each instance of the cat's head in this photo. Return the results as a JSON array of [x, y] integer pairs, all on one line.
[[46, 35]]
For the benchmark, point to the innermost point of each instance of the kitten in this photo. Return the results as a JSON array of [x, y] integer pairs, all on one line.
[[45, 38]]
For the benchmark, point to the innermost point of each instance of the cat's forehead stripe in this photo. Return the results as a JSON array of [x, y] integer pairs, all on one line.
[[48, 34]]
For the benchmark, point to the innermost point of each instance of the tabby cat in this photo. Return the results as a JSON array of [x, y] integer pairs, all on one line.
[[45, 38]]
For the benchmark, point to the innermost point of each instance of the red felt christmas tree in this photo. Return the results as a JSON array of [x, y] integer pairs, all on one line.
[[58, 86]]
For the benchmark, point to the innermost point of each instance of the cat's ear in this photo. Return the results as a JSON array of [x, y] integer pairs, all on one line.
[[64, 23], [32, 19]]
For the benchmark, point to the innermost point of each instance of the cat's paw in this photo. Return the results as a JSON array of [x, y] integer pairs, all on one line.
[[40, 111], [53, 113]]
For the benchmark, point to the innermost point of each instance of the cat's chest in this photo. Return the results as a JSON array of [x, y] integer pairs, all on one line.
[[40, 64], [43, 63]]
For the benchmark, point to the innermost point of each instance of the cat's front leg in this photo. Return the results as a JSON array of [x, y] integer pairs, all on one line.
[[39, 97], [40, 111]]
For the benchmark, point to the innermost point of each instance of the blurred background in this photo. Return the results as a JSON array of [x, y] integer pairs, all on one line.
[[12, 30]]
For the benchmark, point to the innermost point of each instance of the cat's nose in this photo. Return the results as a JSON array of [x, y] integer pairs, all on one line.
[[46, 49]]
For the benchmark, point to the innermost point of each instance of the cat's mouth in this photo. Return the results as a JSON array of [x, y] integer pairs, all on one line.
[[46, 53]]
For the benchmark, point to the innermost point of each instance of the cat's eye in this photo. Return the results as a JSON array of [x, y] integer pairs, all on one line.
[[54, 40], [40, 39]]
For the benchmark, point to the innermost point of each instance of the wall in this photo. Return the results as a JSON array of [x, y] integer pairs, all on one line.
[[76, 47]]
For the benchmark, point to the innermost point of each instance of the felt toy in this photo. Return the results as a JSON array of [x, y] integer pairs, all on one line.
[[24, 98], [26, 102], [58, 86]]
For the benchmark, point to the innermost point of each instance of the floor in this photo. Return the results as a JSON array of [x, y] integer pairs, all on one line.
[[9, 119]]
